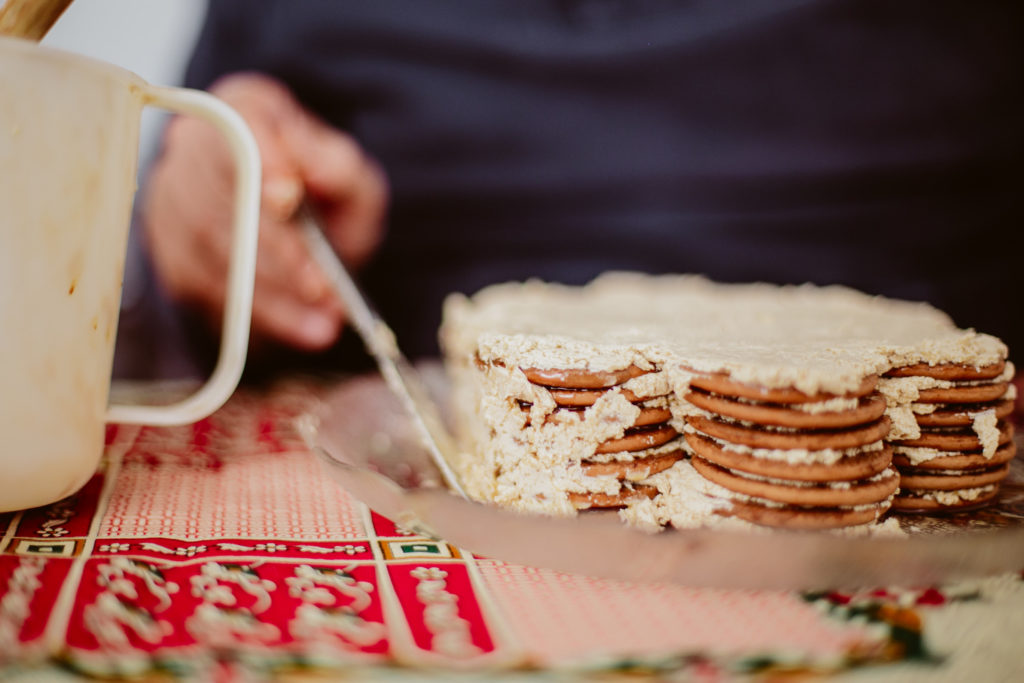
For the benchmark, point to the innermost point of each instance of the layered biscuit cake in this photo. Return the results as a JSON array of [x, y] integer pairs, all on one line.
[[683, 402]]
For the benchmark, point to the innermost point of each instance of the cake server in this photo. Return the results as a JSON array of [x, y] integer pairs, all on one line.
[[399, 374]]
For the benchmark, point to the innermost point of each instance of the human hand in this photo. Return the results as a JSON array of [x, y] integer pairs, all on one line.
[[189, 199]]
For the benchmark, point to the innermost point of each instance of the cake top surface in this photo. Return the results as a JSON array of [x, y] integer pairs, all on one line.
[[808, 337]]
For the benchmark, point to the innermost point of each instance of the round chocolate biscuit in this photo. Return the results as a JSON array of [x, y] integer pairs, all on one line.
[[581, 378], [967, 393], [804, 518], [633, 469], [911, 479], [870, 409], [916, 504], [638, 439], [760, 437], [954, 438], [625, 495], [851, 467], [652, 416], [583, 398], [949, 371], [960, 461], [721, 383], [859, 492], [956, 415]]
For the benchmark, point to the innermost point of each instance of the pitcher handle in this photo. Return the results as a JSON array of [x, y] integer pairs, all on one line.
[[234, 340]]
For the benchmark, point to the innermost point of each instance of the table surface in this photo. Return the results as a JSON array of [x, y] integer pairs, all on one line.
[[221, 548]]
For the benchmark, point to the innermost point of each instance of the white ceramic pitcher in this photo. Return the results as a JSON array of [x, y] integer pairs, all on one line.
[[68, 155]]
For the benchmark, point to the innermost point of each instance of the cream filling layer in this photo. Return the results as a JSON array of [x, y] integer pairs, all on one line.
[[843, 485], [958, 496], [832, 405], [917, 455], [800, 456]]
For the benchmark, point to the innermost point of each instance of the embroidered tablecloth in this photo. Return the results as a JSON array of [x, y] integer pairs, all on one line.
[[221, 547]]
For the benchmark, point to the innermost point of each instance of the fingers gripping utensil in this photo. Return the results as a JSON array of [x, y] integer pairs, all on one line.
[[399, 374]]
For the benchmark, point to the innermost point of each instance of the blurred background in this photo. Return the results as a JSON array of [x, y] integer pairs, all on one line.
[[153, 38], [862, 142]]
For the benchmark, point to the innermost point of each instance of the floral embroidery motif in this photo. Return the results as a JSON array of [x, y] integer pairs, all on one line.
[[52, 531], [58, 514], [115, 547], [183, 551], [271, 547], [347, 549]]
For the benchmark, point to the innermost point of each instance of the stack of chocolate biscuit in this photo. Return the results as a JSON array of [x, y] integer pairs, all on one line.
[[650, 444], [788, 459], [964, 443], [689, 403]]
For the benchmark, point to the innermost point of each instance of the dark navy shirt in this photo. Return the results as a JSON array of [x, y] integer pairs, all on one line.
[[874, 143]]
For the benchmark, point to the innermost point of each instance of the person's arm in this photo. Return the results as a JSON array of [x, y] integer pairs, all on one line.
[[187, 202]]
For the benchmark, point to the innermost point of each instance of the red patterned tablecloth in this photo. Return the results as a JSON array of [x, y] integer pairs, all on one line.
[[222, 547]]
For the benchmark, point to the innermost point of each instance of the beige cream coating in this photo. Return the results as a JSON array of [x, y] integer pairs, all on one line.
[[986, 426], [816, 339], [959, 496]]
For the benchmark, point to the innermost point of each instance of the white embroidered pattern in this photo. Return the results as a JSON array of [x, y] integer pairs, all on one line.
[[219, 627], [115, 547], [114, 576], [320, 625], [265, 547], [451, 635], [219, 622], [109, 617], [321, 550], [213, 585], [14, 607], [59, 514], [182, 551], [311, 586], [320, 619]]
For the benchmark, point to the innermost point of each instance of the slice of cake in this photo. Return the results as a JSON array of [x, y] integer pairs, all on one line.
[[683, 402]]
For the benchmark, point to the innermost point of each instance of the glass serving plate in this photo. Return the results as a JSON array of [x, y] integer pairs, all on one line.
[[367, 444]]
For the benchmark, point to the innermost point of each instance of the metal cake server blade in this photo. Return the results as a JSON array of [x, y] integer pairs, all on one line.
[[399, 374]]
